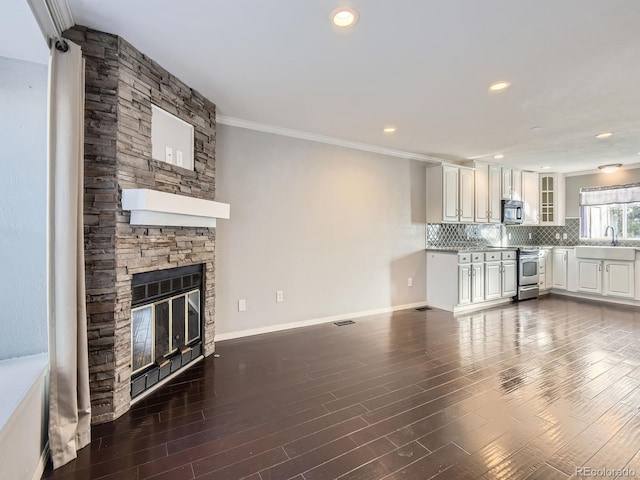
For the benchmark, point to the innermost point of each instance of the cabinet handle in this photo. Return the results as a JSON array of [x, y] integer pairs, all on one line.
[[470, 272], [607, 268], [565, 256]]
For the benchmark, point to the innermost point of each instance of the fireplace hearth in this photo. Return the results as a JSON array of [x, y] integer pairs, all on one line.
[[166, 324]]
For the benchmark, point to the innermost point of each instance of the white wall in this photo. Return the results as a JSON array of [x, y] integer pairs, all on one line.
[[23, 183], [338, 230]]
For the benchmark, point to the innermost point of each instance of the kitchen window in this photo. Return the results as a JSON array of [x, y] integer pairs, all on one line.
[[617, 206]]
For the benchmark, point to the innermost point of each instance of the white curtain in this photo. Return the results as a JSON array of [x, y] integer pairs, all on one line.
[[70, 406], [609, 195]]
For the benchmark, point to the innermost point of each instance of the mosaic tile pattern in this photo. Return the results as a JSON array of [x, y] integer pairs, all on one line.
[[451, 235], [463, 234]]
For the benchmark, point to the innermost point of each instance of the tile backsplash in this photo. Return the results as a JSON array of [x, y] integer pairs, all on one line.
[[479, 235]]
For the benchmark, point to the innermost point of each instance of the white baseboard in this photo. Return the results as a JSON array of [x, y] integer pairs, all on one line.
[[474, 307], [316, 321], [42, 464], [597, 298]]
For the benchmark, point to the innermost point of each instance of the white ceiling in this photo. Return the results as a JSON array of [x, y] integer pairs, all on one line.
[[422, 65]]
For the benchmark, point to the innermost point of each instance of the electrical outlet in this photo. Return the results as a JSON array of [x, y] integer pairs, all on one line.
[[242, 305], [179, 159], [410, 282], [168, 156], [279, 296], [557, 236], [529, 236], [509, 235], [564, 236]]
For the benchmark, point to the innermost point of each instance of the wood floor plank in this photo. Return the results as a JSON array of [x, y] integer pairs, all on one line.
[[526, 391]]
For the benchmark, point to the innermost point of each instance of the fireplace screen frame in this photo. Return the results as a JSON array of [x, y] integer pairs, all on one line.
[[166, 287], [197, 293]]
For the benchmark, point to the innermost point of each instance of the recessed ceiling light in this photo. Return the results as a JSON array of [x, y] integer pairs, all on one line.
[[498, 156], [610, 168], [499, 86], [604, 135], [389, 129], [344, 17], [545, 167]]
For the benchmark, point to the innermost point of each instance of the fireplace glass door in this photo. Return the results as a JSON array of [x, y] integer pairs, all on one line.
[[161, 328]]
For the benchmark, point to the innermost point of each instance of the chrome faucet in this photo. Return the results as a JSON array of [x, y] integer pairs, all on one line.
[[614, 242]]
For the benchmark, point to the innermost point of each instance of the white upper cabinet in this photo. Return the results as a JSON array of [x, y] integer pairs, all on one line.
[[552, 199], [466, 194], [507, 185], [530, 197], [488, 192], [516, 184], [449, 194]]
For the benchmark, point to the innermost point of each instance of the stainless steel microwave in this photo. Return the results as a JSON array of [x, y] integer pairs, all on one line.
[[512, 212]]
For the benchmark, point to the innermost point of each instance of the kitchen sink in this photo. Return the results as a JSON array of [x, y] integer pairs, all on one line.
[[606, 253]]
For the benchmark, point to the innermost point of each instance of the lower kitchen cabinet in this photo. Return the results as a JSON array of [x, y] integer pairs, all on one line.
[[509, 279], [464, 284], [589, 275], [493, 280], [560, 261], [606, 277], [619, 279], [483, 278], [477, 282]]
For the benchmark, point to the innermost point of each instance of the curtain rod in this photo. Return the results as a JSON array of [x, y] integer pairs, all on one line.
[[60, 43], [608, 187]]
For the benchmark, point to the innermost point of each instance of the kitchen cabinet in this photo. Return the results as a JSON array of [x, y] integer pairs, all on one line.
[[477, 282], [530, 197], [545, 271], [613, 278], [619, 279], [507, 184], [560, 262], [488, 192], [493, 280], [500, 275], [484, 278], [509, 286], [464, 284], [552, 201], [589, 275], [511, 184], [450, 194], [516, 184]]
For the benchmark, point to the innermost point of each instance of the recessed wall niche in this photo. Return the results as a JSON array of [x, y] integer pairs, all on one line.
[[171, 139]]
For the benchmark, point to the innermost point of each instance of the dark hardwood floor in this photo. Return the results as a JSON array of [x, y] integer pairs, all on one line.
[[529, 391]]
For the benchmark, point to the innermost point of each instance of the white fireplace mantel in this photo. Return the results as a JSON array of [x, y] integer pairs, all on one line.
[[151, 207]]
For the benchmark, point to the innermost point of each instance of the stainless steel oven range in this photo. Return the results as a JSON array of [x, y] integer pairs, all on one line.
[[528, 268]]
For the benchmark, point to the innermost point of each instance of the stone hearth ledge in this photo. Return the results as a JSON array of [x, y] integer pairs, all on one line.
[[151, 207]]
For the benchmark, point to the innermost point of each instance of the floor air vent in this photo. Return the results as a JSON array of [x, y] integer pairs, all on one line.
[[423, 309], [344, 322]]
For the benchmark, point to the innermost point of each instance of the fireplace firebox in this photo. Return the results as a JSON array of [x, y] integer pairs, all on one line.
[[166, 324]]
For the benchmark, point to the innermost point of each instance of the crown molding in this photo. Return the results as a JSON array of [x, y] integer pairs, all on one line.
[[313, 137], [53, 17]]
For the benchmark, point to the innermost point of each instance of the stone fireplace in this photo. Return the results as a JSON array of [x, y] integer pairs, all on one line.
[[122, 84]]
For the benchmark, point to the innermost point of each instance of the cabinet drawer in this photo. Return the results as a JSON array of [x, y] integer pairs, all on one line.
[[492, 256], [477, 257], [464, 257], [508, 255]]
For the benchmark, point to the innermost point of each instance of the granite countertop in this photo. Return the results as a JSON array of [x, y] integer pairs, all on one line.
[[490, 248], [469, 249]]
